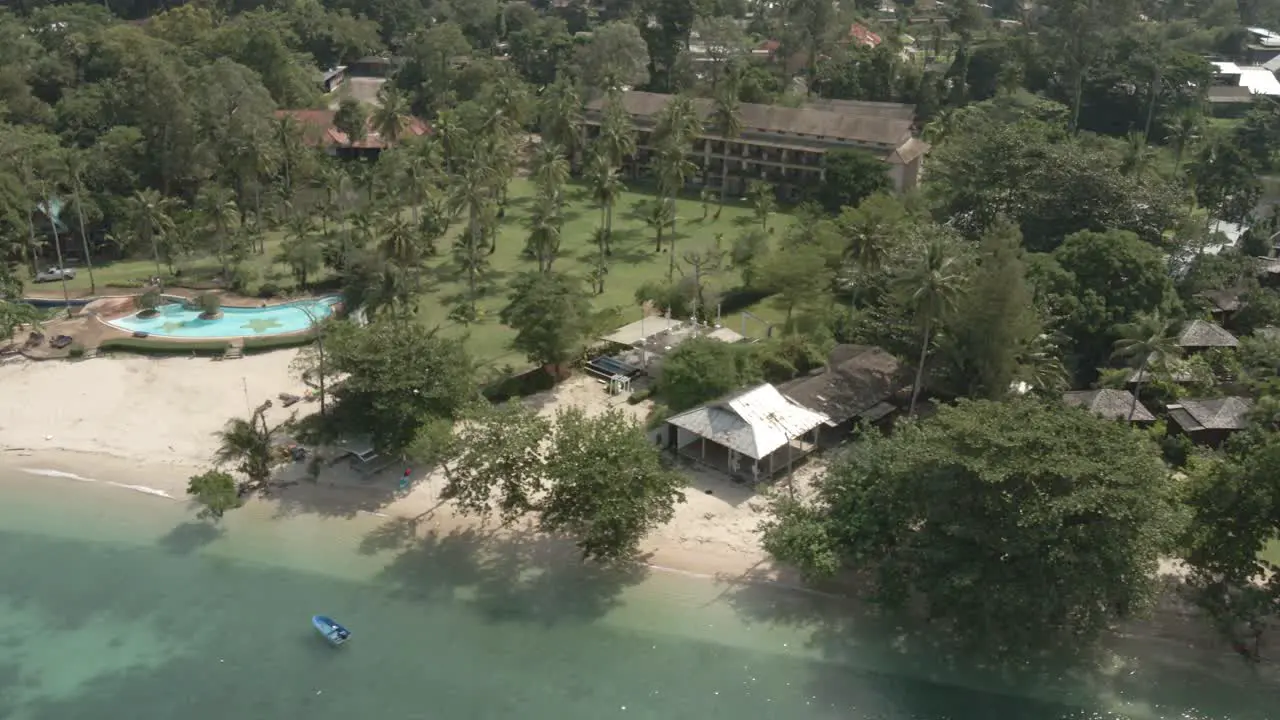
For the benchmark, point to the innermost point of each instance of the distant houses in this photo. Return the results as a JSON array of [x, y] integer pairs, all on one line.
[[319, 131], [1110, 404], [1211, 421]]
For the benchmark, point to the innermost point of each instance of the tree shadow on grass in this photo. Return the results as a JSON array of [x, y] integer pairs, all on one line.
[[189, 537], [508, 575], [894, 661], [628, 247]]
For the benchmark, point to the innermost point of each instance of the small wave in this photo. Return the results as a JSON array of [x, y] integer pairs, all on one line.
[[142, 489], [56, 473], [146, 490]]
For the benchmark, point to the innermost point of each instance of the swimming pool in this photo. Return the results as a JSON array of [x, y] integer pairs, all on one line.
[[177, 320]]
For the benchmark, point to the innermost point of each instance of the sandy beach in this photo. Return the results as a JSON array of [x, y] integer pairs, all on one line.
[[147, 423]]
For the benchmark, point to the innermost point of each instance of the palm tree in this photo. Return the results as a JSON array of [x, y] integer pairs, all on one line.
[[472, 192], [301, 249], [673, 170], [152, 220], [288, 134], [453, 137], [392, 117], [931, 290], [617, 138], [545, 224], [606, 187], [764, 200], [399, 241], [550, 169], [248, 444], [678, 121], [658, 218], [73, 166], [560, 114], [1147, 341], [218, 206], [727, 119], [48, 205]]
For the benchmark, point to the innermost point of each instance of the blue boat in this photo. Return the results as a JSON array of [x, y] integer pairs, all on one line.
[[330, 629]]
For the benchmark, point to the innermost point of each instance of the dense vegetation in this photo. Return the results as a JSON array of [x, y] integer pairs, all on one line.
[[1059, 241]]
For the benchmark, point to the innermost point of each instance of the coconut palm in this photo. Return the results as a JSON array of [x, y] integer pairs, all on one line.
[[606, 187], [727, 119], [678, 121], [302, 250], [218, 207], [930, 289], [545, 224], [291, 152], [453, 137], [399, 242], [152, 218], [392, 118], [560, 114], [472, 193], [247, 444], [658, 217], [72, 170], [550, 169], [51, 211], [1146, 343], [617, 138]]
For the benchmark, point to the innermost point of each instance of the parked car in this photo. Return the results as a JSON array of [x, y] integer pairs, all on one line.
[[55, 274]]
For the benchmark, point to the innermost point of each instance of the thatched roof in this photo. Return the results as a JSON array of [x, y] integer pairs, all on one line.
[[857, 380], [1110, 404], [1227, 413], [1204, 334], [1223, 300]]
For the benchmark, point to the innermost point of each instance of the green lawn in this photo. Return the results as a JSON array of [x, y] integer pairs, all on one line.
[[135, 273], [1271, 553], [632, 264]]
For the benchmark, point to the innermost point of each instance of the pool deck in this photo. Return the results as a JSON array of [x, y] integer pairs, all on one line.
[[89, 327]]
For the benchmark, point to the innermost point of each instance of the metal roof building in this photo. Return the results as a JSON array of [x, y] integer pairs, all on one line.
[[752, 433]]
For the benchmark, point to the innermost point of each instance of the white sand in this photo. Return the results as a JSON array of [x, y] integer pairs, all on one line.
[[159, 415], [145, 424]]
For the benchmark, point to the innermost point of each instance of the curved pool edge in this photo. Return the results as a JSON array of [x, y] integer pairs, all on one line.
[[247, 341]]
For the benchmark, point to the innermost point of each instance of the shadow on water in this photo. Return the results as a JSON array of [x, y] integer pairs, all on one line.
[[188, 537], [886, 663]]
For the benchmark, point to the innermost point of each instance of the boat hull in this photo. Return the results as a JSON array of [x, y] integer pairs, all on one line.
[[330, 630]]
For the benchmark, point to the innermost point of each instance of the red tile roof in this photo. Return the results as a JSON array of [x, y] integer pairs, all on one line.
[[863, 35], [318, 130]]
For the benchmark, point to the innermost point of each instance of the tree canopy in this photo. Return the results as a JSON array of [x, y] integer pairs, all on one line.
[[1018, 523], [397, 376]]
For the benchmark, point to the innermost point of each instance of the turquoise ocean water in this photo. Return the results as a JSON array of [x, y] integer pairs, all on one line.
[[114, 604]]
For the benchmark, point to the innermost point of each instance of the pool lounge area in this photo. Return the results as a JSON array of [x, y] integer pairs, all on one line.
[[183, 321]]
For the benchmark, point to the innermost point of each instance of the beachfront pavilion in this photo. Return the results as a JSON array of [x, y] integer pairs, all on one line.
[[751, 435], [644, 343]]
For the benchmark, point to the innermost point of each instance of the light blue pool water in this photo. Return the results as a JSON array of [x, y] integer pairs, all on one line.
[[175, 320]]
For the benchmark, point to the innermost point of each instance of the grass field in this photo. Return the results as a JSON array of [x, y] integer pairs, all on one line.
[[1271, 553], [632, 264]]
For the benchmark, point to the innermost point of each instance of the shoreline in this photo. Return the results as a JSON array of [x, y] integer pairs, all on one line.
[[420, 507], [145, 424]]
